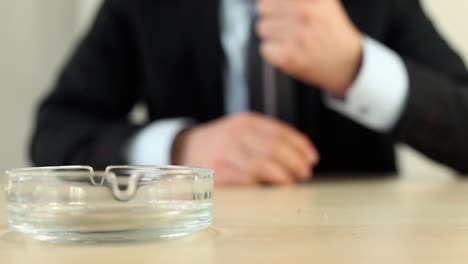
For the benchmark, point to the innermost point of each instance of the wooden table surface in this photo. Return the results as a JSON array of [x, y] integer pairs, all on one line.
[[398, 220]]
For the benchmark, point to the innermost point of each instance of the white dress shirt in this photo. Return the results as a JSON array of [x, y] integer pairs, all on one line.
[[375, 99]]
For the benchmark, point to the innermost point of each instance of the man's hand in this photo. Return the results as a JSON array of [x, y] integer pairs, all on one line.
[[247, 149], [312, 40]]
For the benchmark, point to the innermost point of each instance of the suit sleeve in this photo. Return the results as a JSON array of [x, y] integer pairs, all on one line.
[[84, 118], [435, 116]]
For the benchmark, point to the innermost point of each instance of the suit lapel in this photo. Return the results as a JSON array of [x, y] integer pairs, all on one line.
[[204, 34]]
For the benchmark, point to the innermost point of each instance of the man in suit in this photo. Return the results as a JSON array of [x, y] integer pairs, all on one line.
[[362, 75]]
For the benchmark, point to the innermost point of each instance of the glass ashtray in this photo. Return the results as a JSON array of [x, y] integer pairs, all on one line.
[[120, 204]]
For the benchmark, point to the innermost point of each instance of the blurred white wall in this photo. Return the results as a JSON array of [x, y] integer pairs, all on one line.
[[36, 36], [86, 10], [450, 16]]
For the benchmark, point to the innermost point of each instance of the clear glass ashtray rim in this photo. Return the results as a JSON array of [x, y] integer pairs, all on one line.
[[90, 169], [136, 175]]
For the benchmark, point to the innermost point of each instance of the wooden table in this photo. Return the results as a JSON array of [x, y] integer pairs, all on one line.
[[396, 220]]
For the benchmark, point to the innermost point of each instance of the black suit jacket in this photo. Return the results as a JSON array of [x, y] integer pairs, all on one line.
[[168, 54]]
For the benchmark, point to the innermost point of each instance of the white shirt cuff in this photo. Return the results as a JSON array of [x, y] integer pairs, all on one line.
[[152, 145], [377, 96]]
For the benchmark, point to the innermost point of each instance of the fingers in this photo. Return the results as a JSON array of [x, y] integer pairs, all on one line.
[[249, 167], [249, 148], [273, 8], [282, 10], [270, 172], [289, 158], [314, 41], [270, 127], [303, 145], [280, 28], [229, 176], [280, 151], [275, 30]]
